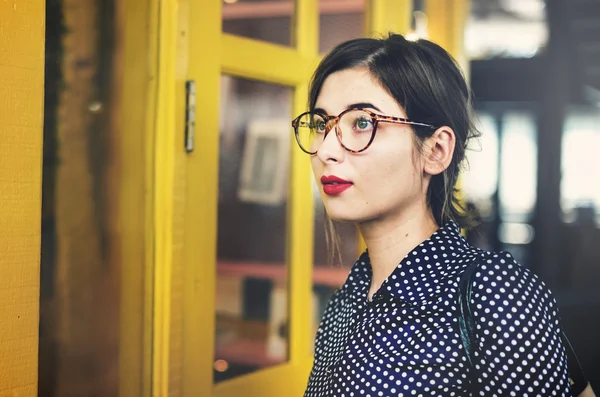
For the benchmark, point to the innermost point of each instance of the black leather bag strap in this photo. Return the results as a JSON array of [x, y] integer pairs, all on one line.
[[577, 378], [466, 320], [466, 324]]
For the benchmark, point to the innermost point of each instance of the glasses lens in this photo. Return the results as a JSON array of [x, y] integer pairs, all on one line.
[[356, 129], [310, 132]]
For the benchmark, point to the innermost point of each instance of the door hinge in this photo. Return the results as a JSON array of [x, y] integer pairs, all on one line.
[[190, 115]]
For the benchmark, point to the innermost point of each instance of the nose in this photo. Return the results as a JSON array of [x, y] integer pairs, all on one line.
[[331, 150]]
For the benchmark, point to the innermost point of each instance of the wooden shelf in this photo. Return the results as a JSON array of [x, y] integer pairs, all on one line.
[[328, 276], [246, 352]]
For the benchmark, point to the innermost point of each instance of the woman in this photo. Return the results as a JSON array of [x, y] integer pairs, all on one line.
[[388, 125]]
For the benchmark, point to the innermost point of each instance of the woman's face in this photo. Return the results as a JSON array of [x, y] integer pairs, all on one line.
[[388, 178]]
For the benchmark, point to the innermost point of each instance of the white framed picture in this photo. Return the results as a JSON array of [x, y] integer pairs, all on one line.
[[264, 171]]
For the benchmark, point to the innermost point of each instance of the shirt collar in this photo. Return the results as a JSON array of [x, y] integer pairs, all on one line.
[[417, 278]]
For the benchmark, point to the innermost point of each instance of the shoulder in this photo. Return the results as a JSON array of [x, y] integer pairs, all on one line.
[[500, 273], [508, 290], [517, 330]]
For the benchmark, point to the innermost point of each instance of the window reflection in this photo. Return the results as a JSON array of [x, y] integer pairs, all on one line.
[[266, 20], [580, 189], [340, 21], [500, 182], [480, 177], [252, 292], [518, 174], [507, 29], [271, 20]]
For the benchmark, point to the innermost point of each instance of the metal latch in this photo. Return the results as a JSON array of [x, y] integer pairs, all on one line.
[[190, 115]]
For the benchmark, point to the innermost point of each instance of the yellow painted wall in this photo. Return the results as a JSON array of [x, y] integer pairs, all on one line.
[[22, 24]]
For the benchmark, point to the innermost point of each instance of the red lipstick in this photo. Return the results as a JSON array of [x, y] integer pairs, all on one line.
[[332, 185]]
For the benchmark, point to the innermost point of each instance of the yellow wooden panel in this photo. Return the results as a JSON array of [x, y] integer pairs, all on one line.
[[19, 82], [300, 209], [180, 181], [200, 243], [306, 27], [446, 25], [267, 62], [164, 152], [19, 310], [138, 94], [18, 301], [384, 16], [20, 45], [300, 249], [22, 27], [17, 368]]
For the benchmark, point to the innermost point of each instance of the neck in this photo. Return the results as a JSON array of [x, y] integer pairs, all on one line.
[[389, 240]]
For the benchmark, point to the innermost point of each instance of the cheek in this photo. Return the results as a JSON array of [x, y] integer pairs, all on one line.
[[392, 173], [395, 159]]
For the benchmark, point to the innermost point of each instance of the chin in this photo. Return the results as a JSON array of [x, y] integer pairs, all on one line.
[[342, 219], [353, 213], [343, 215]]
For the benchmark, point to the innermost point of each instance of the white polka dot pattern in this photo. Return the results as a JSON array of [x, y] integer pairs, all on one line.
[[405, 342]]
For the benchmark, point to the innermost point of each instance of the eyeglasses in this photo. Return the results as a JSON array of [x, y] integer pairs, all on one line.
[[355, 128]]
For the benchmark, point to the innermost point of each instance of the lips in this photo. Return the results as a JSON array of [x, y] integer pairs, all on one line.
[[332, 185]]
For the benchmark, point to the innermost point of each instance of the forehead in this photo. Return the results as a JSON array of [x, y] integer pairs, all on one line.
[[350, 86]]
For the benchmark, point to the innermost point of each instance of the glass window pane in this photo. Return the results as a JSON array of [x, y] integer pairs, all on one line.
[[507, 29], [580, 193], [518, 179], [479, 181], [340, 20], [480, 178], [259, 19], [252, 292]]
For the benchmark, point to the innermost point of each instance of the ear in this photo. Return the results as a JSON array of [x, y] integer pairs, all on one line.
[[439, 149]]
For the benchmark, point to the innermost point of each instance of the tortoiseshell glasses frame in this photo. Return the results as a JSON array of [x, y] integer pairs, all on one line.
[[332, 122]]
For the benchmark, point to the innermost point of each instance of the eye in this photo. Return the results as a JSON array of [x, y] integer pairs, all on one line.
[[363, 124], [320, 125]]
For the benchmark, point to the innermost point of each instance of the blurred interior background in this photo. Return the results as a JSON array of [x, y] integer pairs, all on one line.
[[533, 178]]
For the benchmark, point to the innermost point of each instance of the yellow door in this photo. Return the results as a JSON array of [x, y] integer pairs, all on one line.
[[233, 307], [244, 239]]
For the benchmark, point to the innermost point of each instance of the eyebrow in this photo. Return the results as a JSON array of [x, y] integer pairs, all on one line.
[[359, 105]]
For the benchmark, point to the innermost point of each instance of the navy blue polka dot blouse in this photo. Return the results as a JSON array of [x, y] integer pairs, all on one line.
[[406, 341]]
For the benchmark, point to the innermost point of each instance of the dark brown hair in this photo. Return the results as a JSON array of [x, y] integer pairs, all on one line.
[[429, 85]]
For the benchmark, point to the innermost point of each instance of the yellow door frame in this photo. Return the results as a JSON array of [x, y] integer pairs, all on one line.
[[446, 20], [383, 16], [191, 46], [139, 24], [245, 58]]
